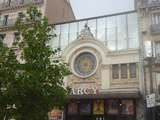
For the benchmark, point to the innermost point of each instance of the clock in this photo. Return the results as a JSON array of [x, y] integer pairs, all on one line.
[[85, 64]]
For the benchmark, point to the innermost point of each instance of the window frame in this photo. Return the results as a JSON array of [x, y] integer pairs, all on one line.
[[121, 74], [128, 71], [113, 72], [2, 36], [5, 20], [130, 77]]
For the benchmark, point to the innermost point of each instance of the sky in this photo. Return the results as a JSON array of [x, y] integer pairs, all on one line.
[[91, 8]]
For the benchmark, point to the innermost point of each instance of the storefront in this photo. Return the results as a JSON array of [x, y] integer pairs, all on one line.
[[101, 109], [104, 85]]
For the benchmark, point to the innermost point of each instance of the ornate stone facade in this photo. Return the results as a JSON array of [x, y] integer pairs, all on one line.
[[107, 87]]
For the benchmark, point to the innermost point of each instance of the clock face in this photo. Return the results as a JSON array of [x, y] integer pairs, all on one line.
[[85, 64]]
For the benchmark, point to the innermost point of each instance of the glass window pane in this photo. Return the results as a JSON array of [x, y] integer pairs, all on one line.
[[111, 22], [115, 71], [57, 29], [92, 26], [132, 18], [121, 20], [81, 26], [157, 48], [133, 30], [73, 31], [64, 35], [122, 43], [101, 29], [132, 70], [121, 32], [111, 32], [148, 48], [111, 39], [133, 43], [124, 71], [55, 40]]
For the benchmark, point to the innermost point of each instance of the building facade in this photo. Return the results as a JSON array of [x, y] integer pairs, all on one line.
[[116, 44], [54, 10], [149, 17], [114, 59], [103, 56]]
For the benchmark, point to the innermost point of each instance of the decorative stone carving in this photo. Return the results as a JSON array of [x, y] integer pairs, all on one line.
[[85, 64], [85, 33]]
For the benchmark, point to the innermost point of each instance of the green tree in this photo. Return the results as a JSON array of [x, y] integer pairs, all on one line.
[[35, 81], [8, 71]]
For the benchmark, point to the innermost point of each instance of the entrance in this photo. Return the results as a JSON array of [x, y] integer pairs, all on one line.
[[101, 109]]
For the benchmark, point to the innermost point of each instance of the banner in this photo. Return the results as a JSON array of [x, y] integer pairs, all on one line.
[[98, 107], [127, 107], [73, 107], [113, 106]]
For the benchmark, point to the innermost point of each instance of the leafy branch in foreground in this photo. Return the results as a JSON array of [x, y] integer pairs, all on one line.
[[34, 84]]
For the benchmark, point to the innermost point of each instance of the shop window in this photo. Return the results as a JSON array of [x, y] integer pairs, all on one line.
[[115, 71], [132, 70], [98, 107], [112, 107], [127, 107], [85, 108], [124, 71], [73, 107]]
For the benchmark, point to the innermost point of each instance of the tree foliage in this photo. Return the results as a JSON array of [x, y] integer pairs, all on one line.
[[8, 75], [36, 81]]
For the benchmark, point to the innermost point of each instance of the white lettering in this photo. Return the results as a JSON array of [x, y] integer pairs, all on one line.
[[73, 92], [80, 91], [83, 91], [94, 90]]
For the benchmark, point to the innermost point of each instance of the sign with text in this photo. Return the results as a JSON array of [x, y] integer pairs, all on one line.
[[84, 91], [150, 99]]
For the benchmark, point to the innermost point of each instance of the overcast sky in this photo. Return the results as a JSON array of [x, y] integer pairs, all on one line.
[[91, 8]]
